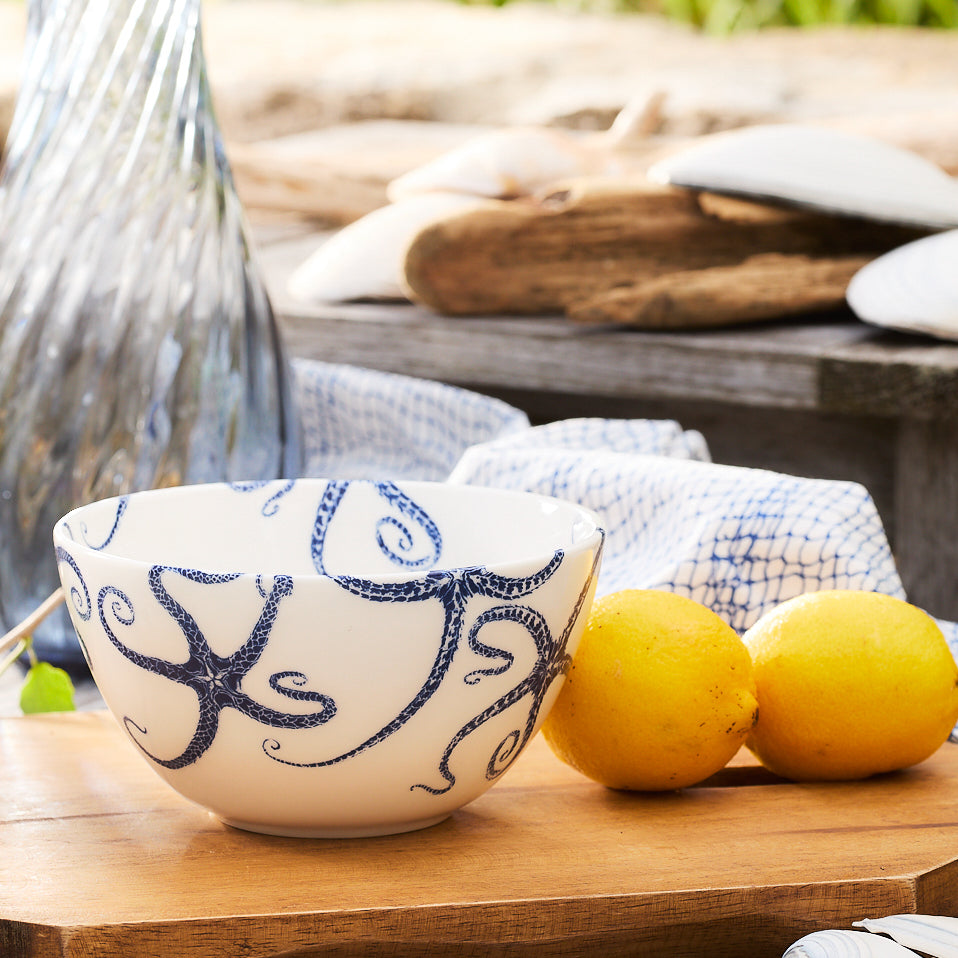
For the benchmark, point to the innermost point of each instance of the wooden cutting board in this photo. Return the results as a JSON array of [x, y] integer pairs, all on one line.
[[100, 858]]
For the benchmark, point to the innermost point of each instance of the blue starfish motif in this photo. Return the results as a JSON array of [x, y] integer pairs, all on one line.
[[552, 661], [215, 679], [452, 589]]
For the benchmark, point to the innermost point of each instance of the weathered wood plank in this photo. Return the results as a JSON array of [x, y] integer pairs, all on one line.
[[926, 504], [548, 354], [892, 374], [831, 364]]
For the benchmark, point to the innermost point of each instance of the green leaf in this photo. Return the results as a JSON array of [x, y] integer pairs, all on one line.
[[46, 689]]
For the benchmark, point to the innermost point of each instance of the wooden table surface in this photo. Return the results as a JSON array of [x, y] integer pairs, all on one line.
[[100, 858], [826, 397]]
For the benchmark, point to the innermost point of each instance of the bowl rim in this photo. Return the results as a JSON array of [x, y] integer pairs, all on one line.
[[593, 539]]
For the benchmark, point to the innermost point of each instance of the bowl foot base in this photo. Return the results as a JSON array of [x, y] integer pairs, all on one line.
[[345, 831]]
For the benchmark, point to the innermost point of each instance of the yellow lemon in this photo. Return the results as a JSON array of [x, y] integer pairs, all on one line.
[[660, 693], [850, 684]]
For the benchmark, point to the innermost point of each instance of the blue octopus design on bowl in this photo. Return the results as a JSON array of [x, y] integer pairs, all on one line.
[[357, 653]]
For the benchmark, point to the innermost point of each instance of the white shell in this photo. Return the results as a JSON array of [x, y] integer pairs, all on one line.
[[930, 934], [845, 944], [507, 163], [913, 288], [820, 168], [364, 259], [636, 121]]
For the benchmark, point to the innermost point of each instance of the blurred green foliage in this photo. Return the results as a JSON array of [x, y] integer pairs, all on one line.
[[727, 16]]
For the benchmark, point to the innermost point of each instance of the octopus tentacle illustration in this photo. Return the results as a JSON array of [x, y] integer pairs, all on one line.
[[84, 537], [451, 590], [271, 506], [325, 511], [407, 540], [400, 552], [552, 661], [79, 593]]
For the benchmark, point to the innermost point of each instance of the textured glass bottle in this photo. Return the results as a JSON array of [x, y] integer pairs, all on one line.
[[137, 343]]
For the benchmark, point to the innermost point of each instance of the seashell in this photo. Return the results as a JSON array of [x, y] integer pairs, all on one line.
[[505, 164], [846, 944], [635, 122], [518, 161], [913, 288], [820, 168], [364, 260], [932, 935]]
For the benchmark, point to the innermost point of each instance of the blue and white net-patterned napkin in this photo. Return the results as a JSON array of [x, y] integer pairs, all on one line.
[[360, 423], [738, 540]]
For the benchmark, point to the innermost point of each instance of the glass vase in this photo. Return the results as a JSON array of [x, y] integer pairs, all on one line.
[[138, 347]]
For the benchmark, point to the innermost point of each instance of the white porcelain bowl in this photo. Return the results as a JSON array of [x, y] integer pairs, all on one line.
[[329, 658]]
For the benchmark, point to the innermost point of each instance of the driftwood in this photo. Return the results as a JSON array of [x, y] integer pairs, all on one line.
[[639, 253], [767, 286]]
